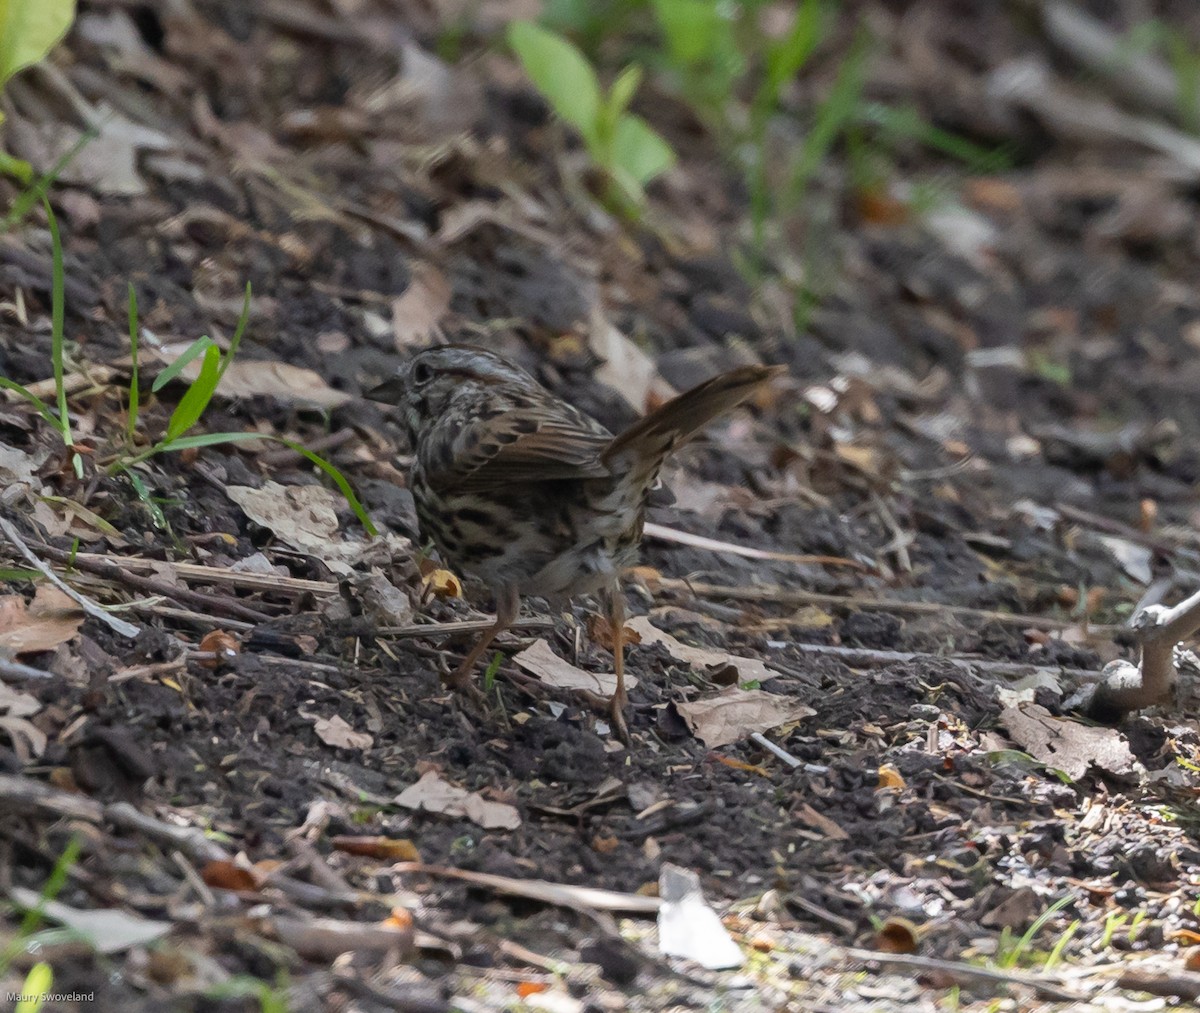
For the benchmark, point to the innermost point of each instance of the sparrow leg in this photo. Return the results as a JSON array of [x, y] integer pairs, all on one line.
[[620, 699], [508, 607]]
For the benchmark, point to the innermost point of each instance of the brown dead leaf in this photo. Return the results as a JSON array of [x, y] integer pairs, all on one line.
[[391, 849], [734, 713], [600, 631], [705, 658], [625, 367], [50, 620], [337, 732], [541, 661], [222, 643], [820, 823], [325, 939], [226, 875], [1066, 745], [303, 516], [434, 795], [417, 314], [897, 935]]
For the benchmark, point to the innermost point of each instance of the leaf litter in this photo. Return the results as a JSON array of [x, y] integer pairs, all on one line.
[[899, 476]]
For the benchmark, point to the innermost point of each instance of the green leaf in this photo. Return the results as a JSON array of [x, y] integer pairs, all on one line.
[[38, 983], [134, 394], [622, 91], [691, 28], [195, 399], [789, 54], [57, 329], [43, 409], [236, 341], [16, 168], [28, 31], [640, 151], [198, 347], [561, 73]]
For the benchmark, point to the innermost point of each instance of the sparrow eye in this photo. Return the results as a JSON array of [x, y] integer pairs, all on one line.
[[422, 374]]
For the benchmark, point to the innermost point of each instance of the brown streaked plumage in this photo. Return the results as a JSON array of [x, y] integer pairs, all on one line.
[[517, 487]]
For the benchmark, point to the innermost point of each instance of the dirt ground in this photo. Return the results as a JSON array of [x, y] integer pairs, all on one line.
[[987, 435]]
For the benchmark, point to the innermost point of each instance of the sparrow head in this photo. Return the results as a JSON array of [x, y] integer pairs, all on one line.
[[425, 386]]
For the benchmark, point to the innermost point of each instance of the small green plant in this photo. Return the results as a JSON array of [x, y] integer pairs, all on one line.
[[1011, 952], [27, 934], [489, 676], [187, 413], [621, 144]]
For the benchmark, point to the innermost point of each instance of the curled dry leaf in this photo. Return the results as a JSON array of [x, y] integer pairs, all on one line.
[[734, 713], [337, 732], [713, 661], [541, 661], [221, 643], [434, 795], [442, 584], [52, 619], [390, 849]]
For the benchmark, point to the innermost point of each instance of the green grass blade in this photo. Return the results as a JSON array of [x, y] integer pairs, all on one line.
[[836, 111], [197, 348], [30, 196], [134, 394], [196, 398], [57, 328], [238, 331], [43, 409]]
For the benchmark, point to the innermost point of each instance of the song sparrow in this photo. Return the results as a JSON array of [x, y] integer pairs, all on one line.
[[526, 492]]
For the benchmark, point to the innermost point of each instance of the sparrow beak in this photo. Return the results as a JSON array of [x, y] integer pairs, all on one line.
[[388, 392]]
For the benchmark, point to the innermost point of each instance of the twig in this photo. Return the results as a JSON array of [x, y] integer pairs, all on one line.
[[578, 898], [222, 575], [1008, 669], [109, 570], [791, 596], [462, 626], [90, 607], [964, 972], [667, 534]]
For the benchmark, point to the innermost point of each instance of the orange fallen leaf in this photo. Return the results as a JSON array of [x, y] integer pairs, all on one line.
[[223, 875], [396, 849], [527, 988], [442, 584], [221, 643], [890, 777]]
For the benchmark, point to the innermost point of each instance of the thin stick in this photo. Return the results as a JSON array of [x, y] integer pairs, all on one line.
[[90, 607], [14, 671], [965, 972], [790, 596]]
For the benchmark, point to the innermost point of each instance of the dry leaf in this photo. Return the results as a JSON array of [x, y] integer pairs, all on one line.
[[748, 669], [541, 661], [226, 875], [1066, 745], [302, 516], [820, 823], [417, 314], [391, 849], [434, 795], [107, 930], [442, 584], [50, 620], [734, 713], [336, 732], [325, 939], [626, 368]]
